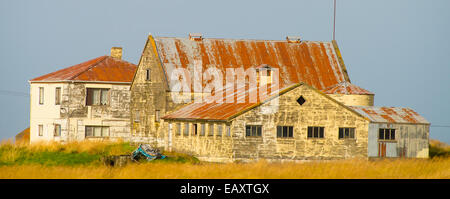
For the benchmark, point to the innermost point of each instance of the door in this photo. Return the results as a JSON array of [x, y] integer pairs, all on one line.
[[381, 149]]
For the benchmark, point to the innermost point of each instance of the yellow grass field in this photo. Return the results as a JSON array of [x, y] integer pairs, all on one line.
[[435, 168]]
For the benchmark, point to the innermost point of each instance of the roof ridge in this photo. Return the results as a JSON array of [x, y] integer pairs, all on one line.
[[92, 66], [207, 38]]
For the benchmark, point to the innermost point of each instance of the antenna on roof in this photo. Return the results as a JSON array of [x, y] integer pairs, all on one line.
[[334, 21]]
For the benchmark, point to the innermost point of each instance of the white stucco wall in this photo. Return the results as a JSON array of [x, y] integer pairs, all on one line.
[[46, 114]]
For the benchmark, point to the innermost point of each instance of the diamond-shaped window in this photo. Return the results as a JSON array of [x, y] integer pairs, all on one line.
[[301, 100]]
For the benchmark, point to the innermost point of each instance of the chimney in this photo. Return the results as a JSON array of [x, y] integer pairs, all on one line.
[[116, 52]]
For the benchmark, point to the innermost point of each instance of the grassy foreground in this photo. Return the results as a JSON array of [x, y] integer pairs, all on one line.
[[81, 161]]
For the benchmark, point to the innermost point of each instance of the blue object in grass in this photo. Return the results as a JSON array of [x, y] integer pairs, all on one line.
[[148, 152]]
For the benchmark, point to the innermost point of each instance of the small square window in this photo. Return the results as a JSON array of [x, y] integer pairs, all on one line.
[[301, 100], [345, 133]]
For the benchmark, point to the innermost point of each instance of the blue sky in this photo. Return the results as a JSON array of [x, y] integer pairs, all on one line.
[[397, 49]]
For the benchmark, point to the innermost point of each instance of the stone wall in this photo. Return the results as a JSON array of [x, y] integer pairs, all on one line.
[[115, 115], [318, 110]]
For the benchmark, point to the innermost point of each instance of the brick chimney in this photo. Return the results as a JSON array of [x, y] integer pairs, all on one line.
[[116, 52]]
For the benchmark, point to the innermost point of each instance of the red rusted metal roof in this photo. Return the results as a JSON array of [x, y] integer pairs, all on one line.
[[315, 63], [390, 114], [346, 88], [101, 69], [224, 111]]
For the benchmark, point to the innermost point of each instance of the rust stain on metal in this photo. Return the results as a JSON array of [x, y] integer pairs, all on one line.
[[314, 63], [389, 119], [104, 68], [390, 114], [223, 111]]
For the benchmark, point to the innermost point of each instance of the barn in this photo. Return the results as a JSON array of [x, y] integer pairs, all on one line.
[[226, 100]]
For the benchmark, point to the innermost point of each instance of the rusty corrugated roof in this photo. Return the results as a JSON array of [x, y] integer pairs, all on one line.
[[315, 63], [390, 114], [346, 88], [102, 69], [225, 111]]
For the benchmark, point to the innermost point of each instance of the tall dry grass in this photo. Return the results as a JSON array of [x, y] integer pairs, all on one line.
[[361, 169], [91, 147], [345, 169]]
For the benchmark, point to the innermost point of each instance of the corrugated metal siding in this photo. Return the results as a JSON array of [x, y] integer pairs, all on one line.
[[104, 68], [223, 111], [373, 140], [314, 63], [390, 114]]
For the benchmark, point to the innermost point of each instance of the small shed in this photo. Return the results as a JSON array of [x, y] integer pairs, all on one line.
[[396, 132]]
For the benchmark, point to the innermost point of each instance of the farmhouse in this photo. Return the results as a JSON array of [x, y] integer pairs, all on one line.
[[226, 100], [85, 101]]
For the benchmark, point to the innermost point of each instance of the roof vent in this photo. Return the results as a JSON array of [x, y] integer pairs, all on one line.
[[292, 39], [195, 36]]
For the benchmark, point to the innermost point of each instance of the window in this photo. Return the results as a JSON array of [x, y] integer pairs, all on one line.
[[57, 130], [346, 133], [97, 96], [202, 130], [316, 132], [301, 100], [157, 116], [137, 116], [219, 130], [97, 131], [228, 128], [194, 129], [285, 131], [186, 129], [178, 129], [58, 96], [211, 130], [253, 130], [386, 134], [41, 130], [41, 95], [147, 75]]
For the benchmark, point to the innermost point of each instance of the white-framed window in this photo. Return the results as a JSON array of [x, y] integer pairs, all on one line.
[[57, 130], [41, 95], [97, 131], [97, 96], [57, 95], [40, 130]]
